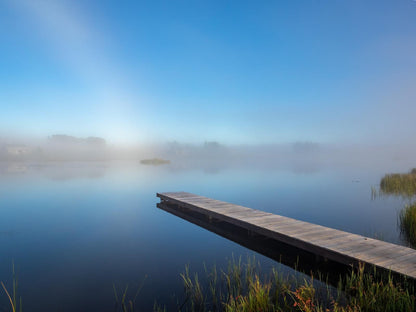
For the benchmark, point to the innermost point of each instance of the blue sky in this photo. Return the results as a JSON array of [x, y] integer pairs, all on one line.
[[231, 71]]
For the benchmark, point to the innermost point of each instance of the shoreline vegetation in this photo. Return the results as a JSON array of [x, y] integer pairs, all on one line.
[[243, 287], [399, 184], [403, 185], [407, 221]]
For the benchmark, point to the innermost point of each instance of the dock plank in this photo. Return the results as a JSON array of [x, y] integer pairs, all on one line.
[[336, 245]]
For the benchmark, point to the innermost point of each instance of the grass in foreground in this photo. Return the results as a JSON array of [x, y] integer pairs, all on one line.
[[124, 304], [13, 298], [243, 288]]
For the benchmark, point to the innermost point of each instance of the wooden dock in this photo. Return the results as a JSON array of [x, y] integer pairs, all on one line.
[[335, 245]]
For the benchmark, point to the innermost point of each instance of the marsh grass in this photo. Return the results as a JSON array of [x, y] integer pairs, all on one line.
[[366, 292], [404, 185], [243, 288], [400, 184], [125, 304], [374, 193], [407, 220], [13, 298]]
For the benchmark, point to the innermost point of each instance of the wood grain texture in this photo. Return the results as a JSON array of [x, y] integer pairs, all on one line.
[[336, 245]]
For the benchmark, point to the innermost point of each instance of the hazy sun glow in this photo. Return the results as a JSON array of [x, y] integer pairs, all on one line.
[[69, 39], [238, 73]]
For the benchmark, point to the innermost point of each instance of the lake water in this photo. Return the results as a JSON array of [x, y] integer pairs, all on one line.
[[75, 229]]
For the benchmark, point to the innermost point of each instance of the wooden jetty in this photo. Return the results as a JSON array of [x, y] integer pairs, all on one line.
[[335, 245]]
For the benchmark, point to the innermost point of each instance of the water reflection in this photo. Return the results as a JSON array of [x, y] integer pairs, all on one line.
[[7, 234], [95, 223], [53, 171], [295, 258], [13, 168]]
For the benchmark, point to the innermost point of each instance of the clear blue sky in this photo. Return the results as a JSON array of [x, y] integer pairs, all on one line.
[[231, 71]]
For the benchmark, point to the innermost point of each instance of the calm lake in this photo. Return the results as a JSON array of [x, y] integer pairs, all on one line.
[[75, 229]]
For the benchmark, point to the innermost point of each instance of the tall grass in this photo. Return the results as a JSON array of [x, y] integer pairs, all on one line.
[[14, 299], [403, 184], [242, 288], [407, 219], [125, 304], [365, 292]]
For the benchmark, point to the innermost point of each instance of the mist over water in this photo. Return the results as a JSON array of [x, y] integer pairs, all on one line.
[[297, 108], [211, 155], [74, 227]]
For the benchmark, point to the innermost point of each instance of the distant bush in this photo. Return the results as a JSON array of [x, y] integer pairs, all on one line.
[[399, 183]]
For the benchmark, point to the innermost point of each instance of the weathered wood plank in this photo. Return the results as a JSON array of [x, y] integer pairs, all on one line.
[[336, 245]]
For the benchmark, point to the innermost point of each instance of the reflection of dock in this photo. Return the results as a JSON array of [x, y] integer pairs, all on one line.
[[337, 246]]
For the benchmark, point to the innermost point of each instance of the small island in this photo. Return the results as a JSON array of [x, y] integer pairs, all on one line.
[[155, 161]]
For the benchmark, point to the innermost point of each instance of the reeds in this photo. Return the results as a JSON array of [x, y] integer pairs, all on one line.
[[407, 220], [242, 288], [365, 292], [123, 303], [14, 299], [403, 184]]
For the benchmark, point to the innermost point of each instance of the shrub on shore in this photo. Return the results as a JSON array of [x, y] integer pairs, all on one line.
[[403, 184]]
